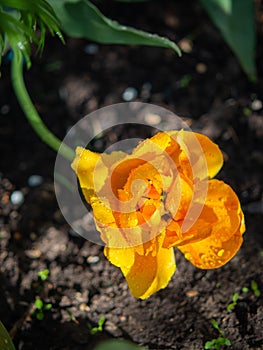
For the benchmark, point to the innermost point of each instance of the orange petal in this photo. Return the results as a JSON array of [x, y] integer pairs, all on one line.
[[217, 234], [213, 155], [202, 155]]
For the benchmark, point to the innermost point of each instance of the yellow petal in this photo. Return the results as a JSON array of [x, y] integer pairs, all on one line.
[[83, 165], [217, 234], [148, 274], [103, 215], [121, 257]]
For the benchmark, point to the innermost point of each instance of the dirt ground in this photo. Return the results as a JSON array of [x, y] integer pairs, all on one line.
[[206, 87]]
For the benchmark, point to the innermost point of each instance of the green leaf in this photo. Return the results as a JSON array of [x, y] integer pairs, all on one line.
[[236, 21], [40, 315], [117, 345], [48, 307], [215, 325], [235, 297], [101, 322], [39, 304], [81, 19], [19, 21], [5, 340]]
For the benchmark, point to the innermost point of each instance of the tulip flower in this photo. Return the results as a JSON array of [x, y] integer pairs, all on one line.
[[160, 196]]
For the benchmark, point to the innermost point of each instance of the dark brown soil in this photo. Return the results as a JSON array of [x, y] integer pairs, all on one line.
[[66, 84]]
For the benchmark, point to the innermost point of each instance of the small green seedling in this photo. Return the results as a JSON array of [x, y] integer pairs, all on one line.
[[185, 80], [219, 342], [247, 111], [232, 305], [40, 308], [99, 328], [254, 288], [43, 275], [245, 290]]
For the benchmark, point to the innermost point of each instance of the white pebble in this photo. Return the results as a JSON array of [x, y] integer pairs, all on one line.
[[153, 119], [17, 198], [91, 49], [35, 180], [256, 105], [129, 94], [93, 259]]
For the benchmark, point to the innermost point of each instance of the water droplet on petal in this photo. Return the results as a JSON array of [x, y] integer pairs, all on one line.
[[220, 253]]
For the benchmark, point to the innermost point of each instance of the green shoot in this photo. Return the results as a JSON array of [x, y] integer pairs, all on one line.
[[99, 328], [43, 275], [245, 289], [40, 308], [219, 342], [247, 111], [232, 305], [185, 80], [254, 288]]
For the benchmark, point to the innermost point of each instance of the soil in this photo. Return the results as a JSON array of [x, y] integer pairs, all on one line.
[[206, 87]]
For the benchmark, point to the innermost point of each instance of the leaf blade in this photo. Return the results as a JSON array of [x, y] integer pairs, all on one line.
[[81, 18], [236, 21]]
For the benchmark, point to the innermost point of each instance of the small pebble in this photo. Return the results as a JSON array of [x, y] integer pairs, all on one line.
[[186, 45], [17, 198], [146, 90], [33, 253], [256, 105], [192, 293], [201, 68], [153, 119], [35, 180], [93, 259], [5, 109], [91, 49], [129, 94]]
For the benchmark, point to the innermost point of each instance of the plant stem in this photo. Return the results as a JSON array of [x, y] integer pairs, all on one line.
[[30, 111]]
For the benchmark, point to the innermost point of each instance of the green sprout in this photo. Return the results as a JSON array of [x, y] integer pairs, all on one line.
[[219, 342], [254, 288], [232, 305], [40, 308], [245, 289], [43, 275], [247, 111], [185, 80], [99, 328]]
